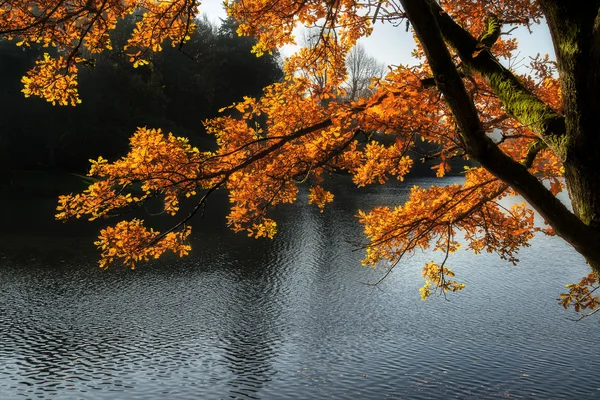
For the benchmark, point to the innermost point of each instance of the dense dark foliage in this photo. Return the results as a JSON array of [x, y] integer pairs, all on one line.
[[180, 89]]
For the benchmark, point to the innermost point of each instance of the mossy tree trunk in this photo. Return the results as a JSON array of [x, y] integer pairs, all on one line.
[[575, 30]]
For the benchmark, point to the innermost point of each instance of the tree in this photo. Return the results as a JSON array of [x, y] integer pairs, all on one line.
[[362, 68], [461, 97]]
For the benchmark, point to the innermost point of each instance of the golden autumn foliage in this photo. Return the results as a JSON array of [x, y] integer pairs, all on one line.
[[298, 131], [78, 29]]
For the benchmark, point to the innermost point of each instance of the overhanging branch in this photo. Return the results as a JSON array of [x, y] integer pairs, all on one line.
[[423, 15]]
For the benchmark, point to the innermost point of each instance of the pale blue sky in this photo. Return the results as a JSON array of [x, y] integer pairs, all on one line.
[[393, 45]]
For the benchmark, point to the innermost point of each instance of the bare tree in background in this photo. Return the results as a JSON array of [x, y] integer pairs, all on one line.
[[360, 65], [361, 69]]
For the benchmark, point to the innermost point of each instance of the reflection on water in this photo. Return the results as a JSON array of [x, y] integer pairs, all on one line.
[[287, 318]]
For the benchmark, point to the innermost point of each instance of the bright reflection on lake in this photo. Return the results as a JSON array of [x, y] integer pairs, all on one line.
[[287, 318]]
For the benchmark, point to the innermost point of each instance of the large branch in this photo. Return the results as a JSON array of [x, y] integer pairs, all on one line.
[[423, 15], [518, 101]]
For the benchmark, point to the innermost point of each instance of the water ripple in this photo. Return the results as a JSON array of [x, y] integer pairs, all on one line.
[[287, 318]]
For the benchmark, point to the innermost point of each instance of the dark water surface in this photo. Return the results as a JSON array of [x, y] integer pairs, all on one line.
[[287, 318]]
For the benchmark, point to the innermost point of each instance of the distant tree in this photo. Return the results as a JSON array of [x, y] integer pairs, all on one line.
[[457, 97], [239, 72], [363, 69]]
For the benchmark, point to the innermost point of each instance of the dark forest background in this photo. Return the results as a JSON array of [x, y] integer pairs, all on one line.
[[178, 91]]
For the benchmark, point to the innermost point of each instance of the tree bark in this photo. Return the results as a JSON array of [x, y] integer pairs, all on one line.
[[575, 30]]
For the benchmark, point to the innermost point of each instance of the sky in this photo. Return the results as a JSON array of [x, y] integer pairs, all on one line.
[[392, 45]]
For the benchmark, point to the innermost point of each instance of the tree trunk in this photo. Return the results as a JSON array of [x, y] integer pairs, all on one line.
[[575, 30]]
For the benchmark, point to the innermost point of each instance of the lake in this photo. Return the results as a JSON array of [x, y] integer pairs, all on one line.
[[288, 318]]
